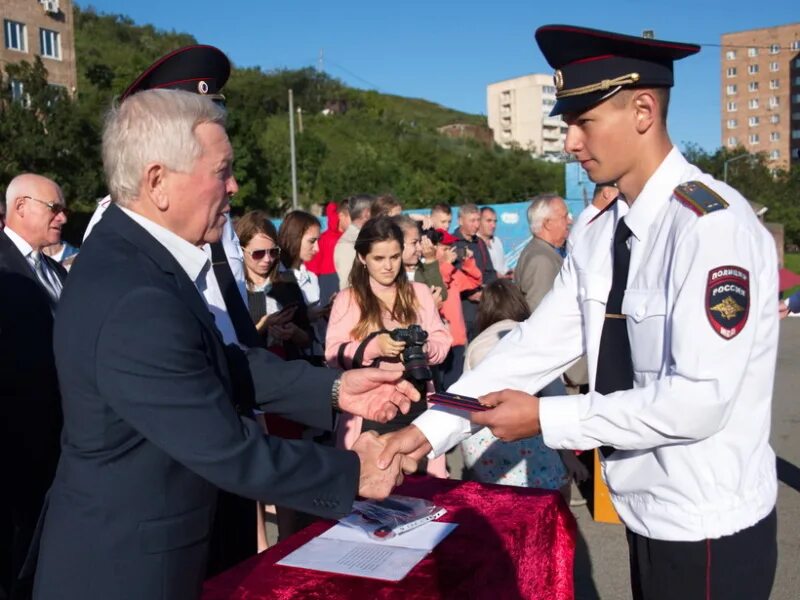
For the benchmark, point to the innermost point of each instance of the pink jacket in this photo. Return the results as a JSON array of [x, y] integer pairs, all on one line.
[[457, 280], [344, 316]]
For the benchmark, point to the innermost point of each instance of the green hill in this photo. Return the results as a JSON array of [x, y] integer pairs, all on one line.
[[379, 143]]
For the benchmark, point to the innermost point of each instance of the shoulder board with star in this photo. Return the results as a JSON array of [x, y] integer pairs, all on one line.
[[699, 198]]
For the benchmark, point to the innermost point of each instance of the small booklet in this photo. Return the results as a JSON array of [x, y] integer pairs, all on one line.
[[352, 548]]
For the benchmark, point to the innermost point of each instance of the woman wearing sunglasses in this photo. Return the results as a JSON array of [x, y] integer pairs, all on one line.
[[273, 319]]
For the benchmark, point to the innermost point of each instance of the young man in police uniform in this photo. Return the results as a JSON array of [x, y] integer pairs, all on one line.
[[671, 294]]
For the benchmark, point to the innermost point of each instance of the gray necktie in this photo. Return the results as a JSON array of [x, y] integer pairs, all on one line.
[[48, 279]]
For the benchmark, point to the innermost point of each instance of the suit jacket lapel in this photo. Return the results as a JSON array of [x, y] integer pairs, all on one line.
[[16, 262], [121, 224]]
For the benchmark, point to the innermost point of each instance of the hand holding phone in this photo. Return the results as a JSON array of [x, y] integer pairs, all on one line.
[[457, 401]]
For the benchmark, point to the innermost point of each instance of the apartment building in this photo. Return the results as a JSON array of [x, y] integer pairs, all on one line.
[[42, 28], [761, 92], [518, 112]]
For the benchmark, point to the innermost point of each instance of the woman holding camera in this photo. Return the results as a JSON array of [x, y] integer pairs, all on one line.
[[379, 301]]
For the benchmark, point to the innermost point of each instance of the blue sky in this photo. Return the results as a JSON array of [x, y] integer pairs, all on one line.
[[447, 51]]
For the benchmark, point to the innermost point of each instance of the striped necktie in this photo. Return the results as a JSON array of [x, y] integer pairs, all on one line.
[[50, 282]]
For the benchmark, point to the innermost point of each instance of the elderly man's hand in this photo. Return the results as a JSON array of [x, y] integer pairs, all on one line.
[[376, 394], [374, 482], [515, 415]]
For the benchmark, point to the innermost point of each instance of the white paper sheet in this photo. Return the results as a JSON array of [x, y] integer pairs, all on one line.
[[349, 551]]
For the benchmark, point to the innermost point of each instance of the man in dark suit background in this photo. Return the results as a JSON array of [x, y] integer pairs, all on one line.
[[30, 421], [150, 431]]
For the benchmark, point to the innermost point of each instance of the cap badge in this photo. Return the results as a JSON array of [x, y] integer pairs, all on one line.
[[202, 87], [558, 80]]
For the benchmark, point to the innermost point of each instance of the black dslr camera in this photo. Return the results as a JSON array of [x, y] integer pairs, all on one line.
[[434, 236], [414, 359]]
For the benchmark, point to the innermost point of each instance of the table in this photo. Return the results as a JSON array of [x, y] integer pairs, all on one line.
[[511, 543]]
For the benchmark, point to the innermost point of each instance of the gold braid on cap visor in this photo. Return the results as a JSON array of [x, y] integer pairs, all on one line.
[[600, 86]]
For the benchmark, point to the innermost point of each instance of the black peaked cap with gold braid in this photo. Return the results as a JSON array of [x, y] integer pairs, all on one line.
[[592, 65]]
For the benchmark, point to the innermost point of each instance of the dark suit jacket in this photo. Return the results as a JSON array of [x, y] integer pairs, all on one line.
[[30, 407], [150, 432]]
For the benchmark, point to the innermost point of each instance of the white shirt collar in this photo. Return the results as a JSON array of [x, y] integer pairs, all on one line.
[[24, 247], [193, 260], [652, 198]]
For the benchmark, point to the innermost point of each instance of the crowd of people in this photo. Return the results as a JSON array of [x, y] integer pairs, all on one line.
[[137, 388]]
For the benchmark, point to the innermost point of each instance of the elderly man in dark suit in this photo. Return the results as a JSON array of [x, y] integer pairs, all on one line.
[[150, 431], [30, 285]]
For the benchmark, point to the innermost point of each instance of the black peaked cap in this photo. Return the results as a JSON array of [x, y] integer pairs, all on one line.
[[592, 65], [200, 69]]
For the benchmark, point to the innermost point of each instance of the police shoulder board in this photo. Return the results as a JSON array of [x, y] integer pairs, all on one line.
[[699, 198]]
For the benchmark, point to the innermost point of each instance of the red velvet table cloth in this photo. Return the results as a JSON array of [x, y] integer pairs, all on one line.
[[510, 543]]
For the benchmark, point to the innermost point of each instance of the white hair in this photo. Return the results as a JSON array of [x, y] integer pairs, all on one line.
[[540, 209], [153, 126]]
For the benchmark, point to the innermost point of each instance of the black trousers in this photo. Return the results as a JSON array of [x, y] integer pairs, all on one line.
[[735, 567]]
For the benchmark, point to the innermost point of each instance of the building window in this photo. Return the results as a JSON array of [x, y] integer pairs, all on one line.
[[16, 38], [774, 48], [774, 84], [752, 121], [731, 106], [752, 69], [773, 102], [731, 72], [753, 138], [50, 42], [774, 136], [752, 86], [775, 155], [549, 89], [731, 141], [797, 63], [795, 45], [17, 90], [796, 98], [730, 54], [752, 103], [796, 134], [797, 80], [773, 66], [730, 89], [731, 123], [774, 119], [505, 97]]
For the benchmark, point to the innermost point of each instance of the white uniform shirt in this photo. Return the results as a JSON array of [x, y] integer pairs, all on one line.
[[211, 290], [693, 458]]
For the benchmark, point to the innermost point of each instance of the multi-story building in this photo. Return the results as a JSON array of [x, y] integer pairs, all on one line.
[[518, 111], [42, 28], [761, 92]]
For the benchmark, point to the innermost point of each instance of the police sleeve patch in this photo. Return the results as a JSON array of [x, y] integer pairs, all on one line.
[[728, 300]]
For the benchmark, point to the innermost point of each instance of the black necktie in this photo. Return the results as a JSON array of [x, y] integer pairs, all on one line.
[[237, 311], [614, 364]]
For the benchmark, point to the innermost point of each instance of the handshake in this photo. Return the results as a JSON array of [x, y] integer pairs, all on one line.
[[378, 395]]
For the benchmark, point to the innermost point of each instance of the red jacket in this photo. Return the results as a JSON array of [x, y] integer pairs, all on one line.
[[458, 280], [322, 263]]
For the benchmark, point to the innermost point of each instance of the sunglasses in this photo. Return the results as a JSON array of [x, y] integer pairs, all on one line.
[[54, 207], [261, 253]]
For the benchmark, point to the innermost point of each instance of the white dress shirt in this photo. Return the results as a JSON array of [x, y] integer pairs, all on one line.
[[497, 254], [212, 294], [197, 265], [693, 459]]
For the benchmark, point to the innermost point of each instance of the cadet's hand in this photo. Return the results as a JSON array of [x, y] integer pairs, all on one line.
[[373, 482], [389, 347], [409, 442], [515, 415], [376, 394], [436, 292]]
